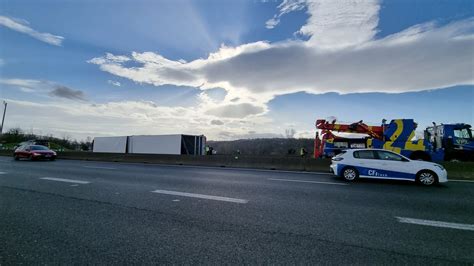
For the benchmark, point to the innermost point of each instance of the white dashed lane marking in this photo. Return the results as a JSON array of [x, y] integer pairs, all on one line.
[[200, 196], [307, 181], [100, 167], [65, 180], [468, 227]]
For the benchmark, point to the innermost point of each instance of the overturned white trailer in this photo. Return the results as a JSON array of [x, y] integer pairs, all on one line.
[[110, 144], [152, 144]]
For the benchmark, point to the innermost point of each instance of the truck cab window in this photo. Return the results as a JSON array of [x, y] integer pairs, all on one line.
[[462, 133]]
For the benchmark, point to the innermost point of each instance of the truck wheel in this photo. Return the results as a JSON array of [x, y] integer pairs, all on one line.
[[350, 174], [426, 178]]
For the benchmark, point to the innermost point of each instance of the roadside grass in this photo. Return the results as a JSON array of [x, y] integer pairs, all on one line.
[[460, 170]]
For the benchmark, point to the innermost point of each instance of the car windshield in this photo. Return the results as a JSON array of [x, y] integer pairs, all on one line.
[[38, 148]]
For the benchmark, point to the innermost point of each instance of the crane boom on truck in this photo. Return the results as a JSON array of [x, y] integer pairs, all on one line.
[[395, 136]]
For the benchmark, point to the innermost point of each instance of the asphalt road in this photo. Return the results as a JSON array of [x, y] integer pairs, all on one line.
[[81, 212]]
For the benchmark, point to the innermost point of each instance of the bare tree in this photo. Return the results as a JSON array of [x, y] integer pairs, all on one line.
[[290, 133]]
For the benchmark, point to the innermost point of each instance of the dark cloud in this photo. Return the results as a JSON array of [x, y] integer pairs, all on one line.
[[251, 135], [68, 93], [236, 110], [217, 122]]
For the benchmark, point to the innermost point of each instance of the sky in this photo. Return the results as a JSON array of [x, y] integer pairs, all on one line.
[[232, 69]]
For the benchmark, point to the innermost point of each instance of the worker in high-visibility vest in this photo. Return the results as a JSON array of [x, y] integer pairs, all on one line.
[[303, 152]]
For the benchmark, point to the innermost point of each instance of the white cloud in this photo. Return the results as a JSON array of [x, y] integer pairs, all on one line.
[[286, 6], [24, 83], [338, 23], [114, 83], [23, 27], [419, 58], [271, 23], [333, 24]]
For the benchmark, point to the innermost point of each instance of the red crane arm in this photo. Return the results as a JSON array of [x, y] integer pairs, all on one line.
[[358, 127]]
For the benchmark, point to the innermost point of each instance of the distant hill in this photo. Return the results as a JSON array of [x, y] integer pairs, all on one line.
[[275, 146]]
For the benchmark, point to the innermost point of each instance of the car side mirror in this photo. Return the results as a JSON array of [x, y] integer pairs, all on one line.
[[27, 150]]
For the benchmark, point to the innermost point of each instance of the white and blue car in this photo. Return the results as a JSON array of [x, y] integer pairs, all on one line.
[[384, 164]]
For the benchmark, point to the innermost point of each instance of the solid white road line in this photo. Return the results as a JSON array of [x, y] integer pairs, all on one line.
[[457, 180], [307, 181], [469, 227], [200, 196], [65, 180], [232, 168], [2, 173], [100, 167]]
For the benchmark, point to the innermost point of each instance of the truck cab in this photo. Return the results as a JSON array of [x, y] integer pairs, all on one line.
[[455, 139]]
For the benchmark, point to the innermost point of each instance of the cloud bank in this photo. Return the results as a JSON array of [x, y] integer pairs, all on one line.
[[341, 55], [23, 27], [127, 118]]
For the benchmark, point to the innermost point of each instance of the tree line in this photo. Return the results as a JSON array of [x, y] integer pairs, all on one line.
[[263, 146], [267, 146], [14, 136]]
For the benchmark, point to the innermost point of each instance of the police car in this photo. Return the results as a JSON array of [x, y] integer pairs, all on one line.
[[384, 164]]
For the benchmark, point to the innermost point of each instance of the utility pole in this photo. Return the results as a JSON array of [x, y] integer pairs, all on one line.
[[3, 119]]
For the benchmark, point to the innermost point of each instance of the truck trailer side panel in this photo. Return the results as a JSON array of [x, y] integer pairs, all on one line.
[[110, 144], [163, 144]]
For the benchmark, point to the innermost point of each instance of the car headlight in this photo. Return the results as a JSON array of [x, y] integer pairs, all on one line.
[[36, 154], [439, 166]]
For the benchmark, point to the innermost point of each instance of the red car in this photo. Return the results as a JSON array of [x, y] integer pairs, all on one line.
[[34, 152]]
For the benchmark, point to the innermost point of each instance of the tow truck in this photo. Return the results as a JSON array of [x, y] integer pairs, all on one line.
[[441, 142]]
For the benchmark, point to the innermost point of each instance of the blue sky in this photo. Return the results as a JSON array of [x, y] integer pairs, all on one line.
[[232, 69]]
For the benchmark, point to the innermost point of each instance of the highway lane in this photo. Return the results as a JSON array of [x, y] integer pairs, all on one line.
[[97, 212]]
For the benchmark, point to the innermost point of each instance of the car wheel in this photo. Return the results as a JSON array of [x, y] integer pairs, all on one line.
[[52, 159], [426, 178], [350, 174], [16, 157]]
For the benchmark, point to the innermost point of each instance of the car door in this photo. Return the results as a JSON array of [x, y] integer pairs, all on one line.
[[394, 166], [20, 151], [26, 151], [365, 162]]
